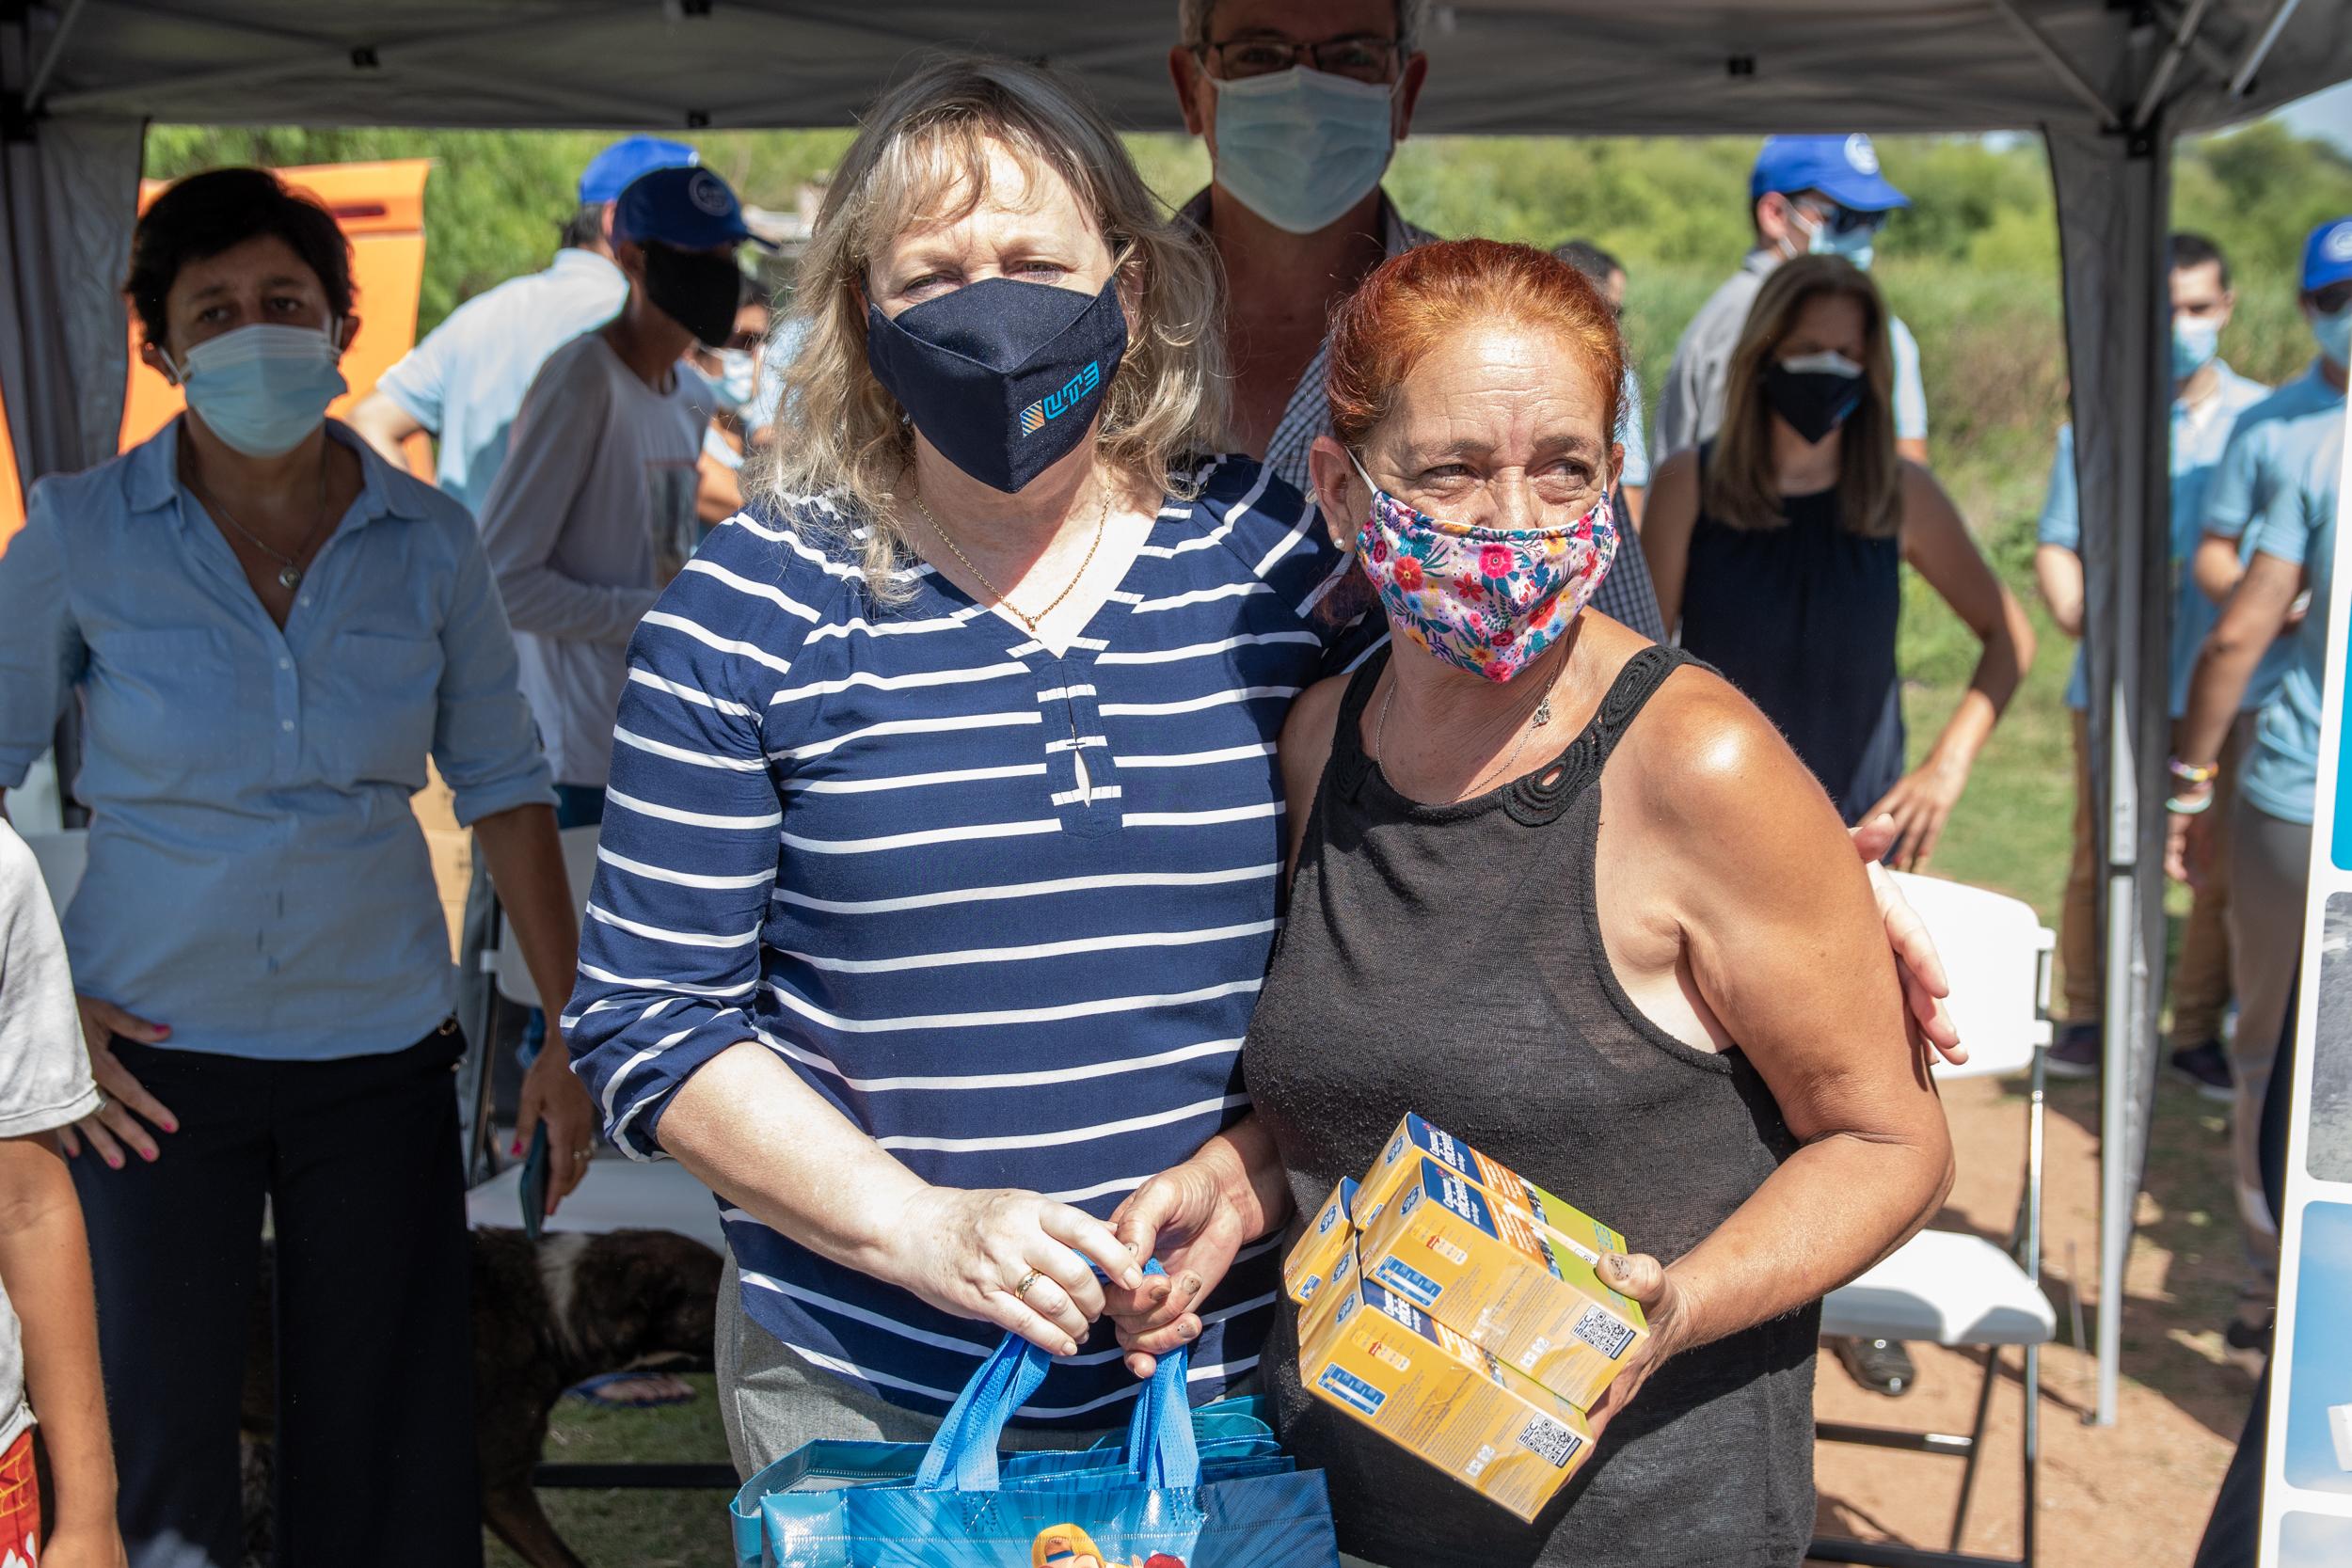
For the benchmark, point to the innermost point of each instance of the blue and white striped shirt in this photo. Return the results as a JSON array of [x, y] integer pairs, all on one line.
[[1010, 912]]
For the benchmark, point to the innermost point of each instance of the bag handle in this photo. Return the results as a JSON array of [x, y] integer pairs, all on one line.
[[963, 1457], [1163, 1450]]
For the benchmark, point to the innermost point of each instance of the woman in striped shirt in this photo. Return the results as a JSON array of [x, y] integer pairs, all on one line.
[[942, 855], [943, 852]]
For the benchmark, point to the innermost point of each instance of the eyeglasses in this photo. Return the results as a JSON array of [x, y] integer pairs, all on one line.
[[2332, 298], [1365, 60], [1839, 218]]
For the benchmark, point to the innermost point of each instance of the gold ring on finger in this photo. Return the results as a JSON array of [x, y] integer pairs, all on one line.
[[1021, 1292]]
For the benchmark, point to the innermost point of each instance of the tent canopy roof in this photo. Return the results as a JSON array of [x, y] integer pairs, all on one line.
[[1498, 66]]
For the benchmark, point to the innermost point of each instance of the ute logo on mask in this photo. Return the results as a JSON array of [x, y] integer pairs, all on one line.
[[1059, 402]]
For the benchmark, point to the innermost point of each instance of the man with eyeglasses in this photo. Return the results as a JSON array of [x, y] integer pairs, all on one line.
[[1301, 106], [1808, 195]]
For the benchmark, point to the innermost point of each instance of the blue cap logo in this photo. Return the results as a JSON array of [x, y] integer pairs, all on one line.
[[709, 193], [2337, 247], [1859, 155]]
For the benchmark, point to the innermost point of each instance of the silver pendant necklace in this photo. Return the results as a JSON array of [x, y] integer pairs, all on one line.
[[289, 567], [1541, 717]]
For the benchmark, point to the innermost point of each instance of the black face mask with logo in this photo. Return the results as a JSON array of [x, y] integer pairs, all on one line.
[[698, 290], [1815, 393], [1003, 376]]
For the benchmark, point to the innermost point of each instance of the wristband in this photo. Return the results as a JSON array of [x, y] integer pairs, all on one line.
[[2187, 774], [2179, 807]]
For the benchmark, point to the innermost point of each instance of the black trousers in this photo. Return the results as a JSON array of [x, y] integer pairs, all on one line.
[[359, 1161], [2233, 1530]]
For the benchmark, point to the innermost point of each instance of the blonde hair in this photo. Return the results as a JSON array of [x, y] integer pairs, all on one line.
[[1739, 488], [922, 158]]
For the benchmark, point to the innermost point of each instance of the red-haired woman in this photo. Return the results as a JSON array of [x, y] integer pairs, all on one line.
[[1570, 897]]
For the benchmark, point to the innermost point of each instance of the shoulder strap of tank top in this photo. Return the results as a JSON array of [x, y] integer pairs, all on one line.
[[1349, 765], [1540, 797]]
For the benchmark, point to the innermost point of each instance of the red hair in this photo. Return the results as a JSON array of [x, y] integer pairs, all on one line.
[[1412, 301]]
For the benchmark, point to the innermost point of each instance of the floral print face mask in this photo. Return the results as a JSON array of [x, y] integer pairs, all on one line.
[[1487, 600]]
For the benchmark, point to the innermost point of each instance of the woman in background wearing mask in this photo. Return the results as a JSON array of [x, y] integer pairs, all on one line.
[[1777, 549], [733, 370], [1569, 896], [268, 630]]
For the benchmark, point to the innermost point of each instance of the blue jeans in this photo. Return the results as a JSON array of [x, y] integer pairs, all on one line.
[[576, 806]]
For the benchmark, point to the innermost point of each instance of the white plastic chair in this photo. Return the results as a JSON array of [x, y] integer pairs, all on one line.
[[511, 983], [63, 855], [1948, 1288]]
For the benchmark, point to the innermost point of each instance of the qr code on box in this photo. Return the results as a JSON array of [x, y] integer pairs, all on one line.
[[1602, 1332], [1553, 1439]]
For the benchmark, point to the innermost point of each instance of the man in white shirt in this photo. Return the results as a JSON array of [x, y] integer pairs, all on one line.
[[463, 384], [593, 509], [1817, 195]]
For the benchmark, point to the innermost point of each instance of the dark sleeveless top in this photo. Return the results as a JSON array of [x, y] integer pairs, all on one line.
[[1448, 960], [1801, 619]]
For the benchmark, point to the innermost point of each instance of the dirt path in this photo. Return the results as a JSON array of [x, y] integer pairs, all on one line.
[[2137, 1492]]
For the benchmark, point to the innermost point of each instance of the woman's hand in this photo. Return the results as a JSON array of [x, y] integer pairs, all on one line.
[[553, 1093], [1185, 1217], [1666, 1308], [1920, 803], [1921, 967], [969, 1252], [112, 1125]]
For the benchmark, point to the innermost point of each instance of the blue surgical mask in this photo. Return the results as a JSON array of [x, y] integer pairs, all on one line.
[[2194, 341], [261, 389], [2335, 336], [739, 378], [1299, 147], [1854, 245]]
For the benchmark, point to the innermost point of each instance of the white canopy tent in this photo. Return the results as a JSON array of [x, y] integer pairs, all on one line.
[[2108, 85]]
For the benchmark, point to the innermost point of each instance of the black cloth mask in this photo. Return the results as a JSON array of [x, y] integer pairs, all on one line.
[[1814, 402], [1003, 376], [697, 289]]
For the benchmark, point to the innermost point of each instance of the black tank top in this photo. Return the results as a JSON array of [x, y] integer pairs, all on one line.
[[1448, 960], [1801, 619]]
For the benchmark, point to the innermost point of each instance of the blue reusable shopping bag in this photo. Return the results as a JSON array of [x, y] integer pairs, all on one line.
[[1187, 1489]]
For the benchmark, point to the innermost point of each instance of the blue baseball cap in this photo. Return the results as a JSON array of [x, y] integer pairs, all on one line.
[[2328, 255], [609, 171], [1844, 169], [690, 208]]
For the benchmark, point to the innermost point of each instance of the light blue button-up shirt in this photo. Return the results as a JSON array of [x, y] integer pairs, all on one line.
[[464, 382], [257, 880], [2278, 488], [2199, 435]]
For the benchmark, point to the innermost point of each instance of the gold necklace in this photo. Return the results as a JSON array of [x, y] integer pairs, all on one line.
[[997, 593]]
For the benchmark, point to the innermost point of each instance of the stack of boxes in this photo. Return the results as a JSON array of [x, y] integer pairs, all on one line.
[[1453, 1306]]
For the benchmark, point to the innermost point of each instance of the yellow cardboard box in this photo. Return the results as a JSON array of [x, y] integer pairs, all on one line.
[[1408, 1377], [1415, 1139], [1493, 1275], [1325, 1242]]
